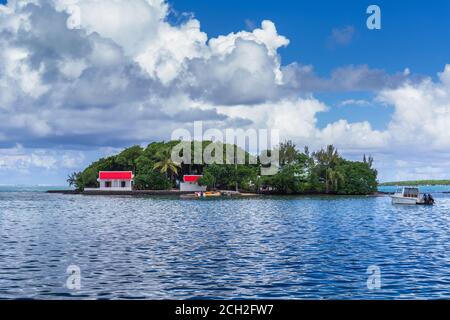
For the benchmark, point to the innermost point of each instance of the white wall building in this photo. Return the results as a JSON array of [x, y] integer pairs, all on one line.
[[190, 184], [116, 180]]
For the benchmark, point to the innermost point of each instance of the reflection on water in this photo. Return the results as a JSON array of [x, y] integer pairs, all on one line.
[[291, 247]]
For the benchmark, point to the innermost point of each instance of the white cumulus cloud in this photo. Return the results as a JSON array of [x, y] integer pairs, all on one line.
[[111, 73]]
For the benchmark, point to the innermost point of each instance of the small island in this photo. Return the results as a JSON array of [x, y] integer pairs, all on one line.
[[299, 172]]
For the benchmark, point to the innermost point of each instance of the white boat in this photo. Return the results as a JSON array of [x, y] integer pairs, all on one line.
[[411, 196]]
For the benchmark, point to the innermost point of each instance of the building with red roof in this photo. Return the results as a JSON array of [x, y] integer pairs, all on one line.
[[190, 183], [116, 180]]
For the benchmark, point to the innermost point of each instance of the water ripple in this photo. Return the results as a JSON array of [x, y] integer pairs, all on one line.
[[156, 248]]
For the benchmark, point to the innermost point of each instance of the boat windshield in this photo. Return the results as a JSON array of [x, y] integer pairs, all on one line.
[[411, 192]]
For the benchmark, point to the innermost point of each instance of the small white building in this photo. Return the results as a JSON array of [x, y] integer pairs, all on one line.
[[116, 180], [190, 184]]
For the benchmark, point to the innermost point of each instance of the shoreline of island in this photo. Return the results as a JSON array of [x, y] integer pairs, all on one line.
[[226, 193]]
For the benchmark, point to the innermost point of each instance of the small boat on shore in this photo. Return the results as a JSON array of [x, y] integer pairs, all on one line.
[[218, 194], [201, 195], [208, 194], [411, 196]]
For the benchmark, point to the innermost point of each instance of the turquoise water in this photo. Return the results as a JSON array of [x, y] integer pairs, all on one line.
[[281, 247], [425, 189], [22, 189]]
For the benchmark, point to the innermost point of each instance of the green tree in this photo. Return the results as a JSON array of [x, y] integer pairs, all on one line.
[[369, 160], [75, 180], [299, 172], [334, 180], [144, 164], [286, 181], [288, 153], [245, 176], [151, 181], [165, 164], [126, 160], [208, 180], [326, 161], [215, 175], [72, 178], [359, 178]]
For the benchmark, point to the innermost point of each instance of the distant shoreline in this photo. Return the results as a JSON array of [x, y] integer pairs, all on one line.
[[416, 183]]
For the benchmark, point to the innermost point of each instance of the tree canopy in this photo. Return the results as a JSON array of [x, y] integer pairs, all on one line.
[[323, 171]]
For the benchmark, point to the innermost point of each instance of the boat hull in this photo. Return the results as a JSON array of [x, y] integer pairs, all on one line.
[[406, 201]]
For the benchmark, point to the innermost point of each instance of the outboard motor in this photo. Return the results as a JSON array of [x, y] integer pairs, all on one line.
[[428, 199]]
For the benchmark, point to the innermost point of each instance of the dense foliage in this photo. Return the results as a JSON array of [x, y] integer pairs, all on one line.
[[324, 171]]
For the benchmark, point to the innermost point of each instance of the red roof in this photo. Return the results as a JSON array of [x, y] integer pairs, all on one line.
[[115, 175], [191, 178]]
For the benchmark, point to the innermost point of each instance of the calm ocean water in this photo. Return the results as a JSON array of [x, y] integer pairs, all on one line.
[[286, 247], [426, 189]]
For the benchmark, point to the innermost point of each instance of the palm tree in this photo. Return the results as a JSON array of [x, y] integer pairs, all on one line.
[[369, 160], [288, 153], [72, 179], [166, 165], [331, 156], [327, 159], [75, 180], [334, 179]]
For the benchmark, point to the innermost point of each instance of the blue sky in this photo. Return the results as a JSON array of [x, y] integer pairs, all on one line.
[[76, 87], [412, 36]]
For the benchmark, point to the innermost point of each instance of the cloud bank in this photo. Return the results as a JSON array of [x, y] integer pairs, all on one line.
[[80, 74]]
